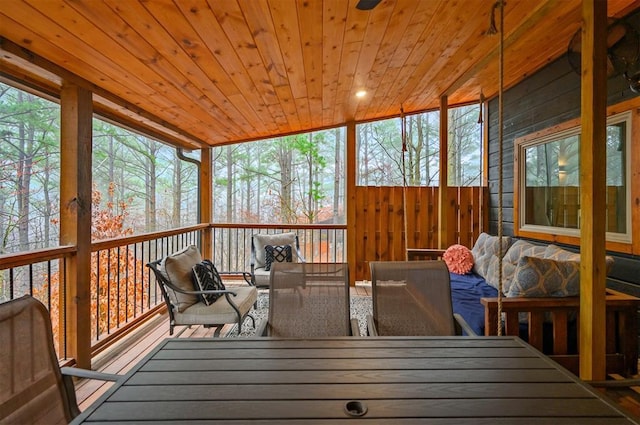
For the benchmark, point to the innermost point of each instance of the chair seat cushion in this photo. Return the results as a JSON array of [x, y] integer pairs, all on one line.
[[221, 311], [261, 276]]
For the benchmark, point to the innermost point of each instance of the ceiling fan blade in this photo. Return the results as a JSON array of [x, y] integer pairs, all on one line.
[[367, 4]]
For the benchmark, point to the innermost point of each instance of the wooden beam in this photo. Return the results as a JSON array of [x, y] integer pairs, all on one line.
[[592, 343], [350, 170], [206, 202], [530, 23], [75, 218], [105, 102], [443, 233]]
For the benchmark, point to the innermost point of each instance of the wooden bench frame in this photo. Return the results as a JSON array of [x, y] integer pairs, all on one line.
[[622, 322], [622, 327]]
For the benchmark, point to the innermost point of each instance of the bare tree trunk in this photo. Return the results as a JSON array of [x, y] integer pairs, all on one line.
[[150, 205], [427, 152], [310, 197], [419, 146], [177, 192], [25, 165], [47, 211], [285, 159], [229, 185], [112, 178]]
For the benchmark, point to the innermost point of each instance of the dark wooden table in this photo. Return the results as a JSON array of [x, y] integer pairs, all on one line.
[[454, 380]]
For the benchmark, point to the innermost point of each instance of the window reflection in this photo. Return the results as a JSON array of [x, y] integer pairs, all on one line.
[[551, 196]]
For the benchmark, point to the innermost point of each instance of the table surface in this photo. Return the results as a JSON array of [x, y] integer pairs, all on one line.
[[451, 380]]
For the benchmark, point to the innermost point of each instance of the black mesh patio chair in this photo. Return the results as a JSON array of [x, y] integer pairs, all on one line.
[[33, 387], [309, 300], [413, 298]]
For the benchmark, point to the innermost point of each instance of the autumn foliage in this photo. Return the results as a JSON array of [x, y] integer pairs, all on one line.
[[119, 286]]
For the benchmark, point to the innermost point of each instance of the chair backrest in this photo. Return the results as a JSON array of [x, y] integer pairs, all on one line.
[[32, 389], [259, 242], [309, 300], [412, 298]]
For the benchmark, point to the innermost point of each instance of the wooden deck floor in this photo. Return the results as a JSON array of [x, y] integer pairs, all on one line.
[[128, 352]]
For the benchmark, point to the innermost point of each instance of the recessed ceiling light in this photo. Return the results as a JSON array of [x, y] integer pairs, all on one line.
[[361, 93]]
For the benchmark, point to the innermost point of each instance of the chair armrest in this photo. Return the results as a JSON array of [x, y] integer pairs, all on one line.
[[464, 326], [89, 374], [355, 327], [299, 255], [371, 326]]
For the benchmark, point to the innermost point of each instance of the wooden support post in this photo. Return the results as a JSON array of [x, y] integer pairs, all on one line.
[[206, 202], [350, 170], [593, 190], [443, 233], [75, 218]]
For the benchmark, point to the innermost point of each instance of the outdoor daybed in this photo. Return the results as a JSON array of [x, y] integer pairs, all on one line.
[[540, 301]]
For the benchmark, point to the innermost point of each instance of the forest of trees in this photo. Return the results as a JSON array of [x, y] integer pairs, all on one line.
[[133, 173], [300, 179], [291, 179], [380, 150], [141, 185]]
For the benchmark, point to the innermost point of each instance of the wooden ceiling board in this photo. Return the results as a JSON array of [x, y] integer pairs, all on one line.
[[403, 47], [230, 18], [237, 70], [332, 41], [136, 39], [218, 84]]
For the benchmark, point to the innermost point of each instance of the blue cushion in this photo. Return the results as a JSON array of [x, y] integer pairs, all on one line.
[[466, 291]]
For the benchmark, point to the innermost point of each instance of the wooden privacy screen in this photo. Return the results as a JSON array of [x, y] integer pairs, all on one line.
[[379, 223]]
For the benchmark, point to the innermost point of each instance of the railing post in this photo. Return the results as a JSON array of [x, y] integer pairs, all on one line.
[[75, 219]]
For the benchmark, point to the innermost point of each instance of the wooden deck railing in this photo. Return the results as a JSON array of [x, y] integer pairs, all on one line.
[[123, 290], [320, 243], [37, 273], [124, 294]]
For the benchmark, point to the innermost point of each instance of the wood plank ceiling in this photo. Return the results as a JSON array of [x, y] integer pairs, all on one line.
[[212, 72]]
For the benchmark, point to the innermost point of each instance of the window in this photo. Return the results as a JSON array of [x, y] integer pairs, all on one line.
[[379, 150], [290, 179], [29, 171], [549, 187], [139, 184]]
